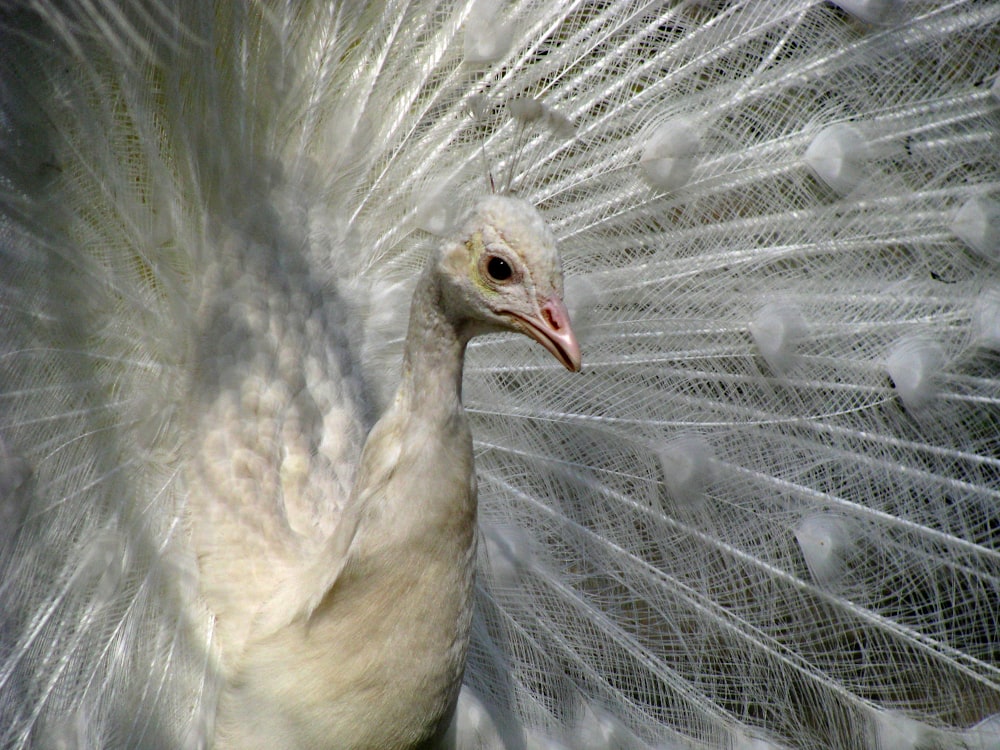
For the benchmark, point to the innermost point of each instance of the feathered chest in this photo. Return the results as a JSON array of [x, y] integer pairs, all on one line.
[[379, 661], [417, 516], [401, 609]]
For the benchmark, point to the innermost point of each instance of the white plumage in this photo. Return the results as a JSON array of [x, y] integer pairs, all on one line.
[[766, 515], [356, 638]]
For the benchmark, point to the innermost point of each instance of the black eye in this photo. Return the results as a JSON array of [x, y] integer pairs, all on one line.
[[499, 269]]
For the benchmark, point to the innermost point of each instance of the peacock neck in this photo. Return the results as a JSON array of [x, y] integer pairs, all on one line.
[[433, 355]]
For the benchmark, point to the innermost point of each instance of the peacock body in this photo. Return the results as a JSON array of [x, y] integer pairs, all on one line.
[[767, 514]]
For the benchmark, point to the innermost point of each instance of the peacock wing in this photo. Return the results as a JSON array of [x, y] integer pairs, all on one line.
[[277, 424], [181, 410]]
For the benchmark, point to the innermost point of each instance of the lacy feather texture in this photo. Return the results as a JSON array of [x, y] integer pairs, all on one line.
[[767, 513]]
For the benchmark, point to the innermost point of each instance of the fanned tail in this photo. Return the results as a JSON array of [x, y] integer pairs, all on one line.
[[766, 515]]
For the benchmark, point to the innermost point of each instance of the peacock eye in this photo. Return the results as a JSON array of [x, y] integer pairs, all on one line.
[[498, 269]]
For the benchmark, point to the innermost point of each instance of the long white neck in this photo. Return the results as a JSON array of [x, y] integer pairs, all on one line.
[[433, 356]]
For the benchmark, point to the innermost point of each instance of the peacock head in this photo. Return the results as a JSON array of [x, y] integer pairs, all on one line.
[[504, 273]]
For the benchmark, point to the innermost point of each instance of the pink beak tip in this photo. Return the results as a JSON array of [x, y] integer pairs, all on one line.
[[560, 333]]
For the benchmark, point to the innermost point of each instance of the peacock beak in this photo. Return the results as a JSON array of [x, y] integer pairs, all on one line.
[[551, 329]]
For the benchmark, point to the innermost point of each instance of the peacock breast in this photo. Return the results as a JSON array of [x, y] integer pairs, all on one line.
[[378, 664]]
